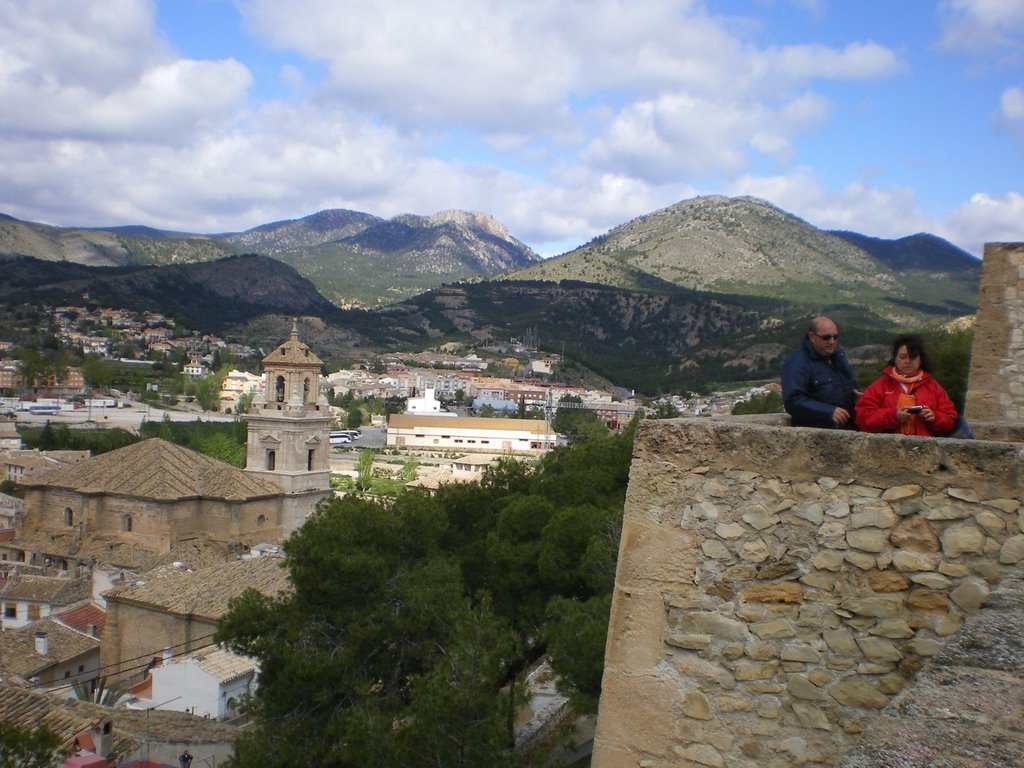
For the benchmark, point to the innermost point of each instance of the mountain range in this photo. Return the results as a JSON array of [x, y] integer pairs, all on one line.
[[709, 290], [355, 259]]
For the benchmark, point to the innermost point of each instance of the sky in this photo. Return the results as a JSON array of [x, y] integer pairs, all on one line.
[[560, 118]]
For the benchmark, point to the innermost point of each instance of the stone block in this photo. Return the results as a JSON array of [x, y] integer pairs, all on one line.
[[961, 539], [640, 618], [638, 712], [914, 534], [652, 555], [786, 592], [858, 692]]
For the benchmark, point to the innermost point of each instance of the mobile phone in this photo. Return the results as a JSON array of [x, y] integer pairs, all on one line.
[[915, 409]]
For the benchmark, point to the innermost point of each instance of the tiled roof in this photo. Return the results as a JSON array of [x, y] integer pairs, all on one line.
[[120, 550], [55, 590], [82, 617], [293, 352], [166, 725], [131, 727], [27, 709], [158, 470], [63, 644], [205, 593], [223, 665]]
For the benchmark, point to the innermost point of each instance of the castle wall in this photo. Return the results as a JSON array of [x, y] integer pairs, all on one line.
[[777, 586], [995, 390]]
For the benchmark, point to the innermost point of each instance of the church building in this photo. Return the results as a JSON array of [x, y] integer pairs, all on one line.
[[138, 505]]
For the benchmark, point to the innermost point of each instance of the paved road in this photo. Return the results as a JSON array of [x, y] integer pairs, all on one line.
[[372, 437], [129, 418]]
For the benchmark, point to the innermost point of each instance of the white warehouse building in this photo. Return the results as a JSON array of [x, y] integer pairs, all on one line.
[[439, 433]]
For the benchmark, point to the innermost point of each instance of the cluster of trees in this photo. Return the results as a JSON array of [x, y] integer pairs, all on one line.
[[224, 440], [220, 439], [413, 620], [358, 410], [27, 747], [60, 437]]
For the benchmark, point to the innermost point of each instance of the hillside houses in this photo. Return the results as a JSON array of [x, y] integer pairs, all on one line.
[[478, 390]]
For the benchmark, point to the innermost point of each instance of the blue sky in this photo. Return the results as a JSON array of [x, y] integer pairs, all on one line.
[[561, 118]]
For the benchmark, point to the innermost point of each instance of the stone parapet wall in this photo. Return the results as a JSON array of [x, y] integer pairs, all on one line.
[[995, 390], [777, 587]]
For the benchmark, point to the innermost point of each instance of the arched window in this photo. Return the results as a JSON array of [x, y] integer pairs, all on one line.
[[126, 522], [309, 459], [305, 390], [69, 516], [279, 389], [271, 459]]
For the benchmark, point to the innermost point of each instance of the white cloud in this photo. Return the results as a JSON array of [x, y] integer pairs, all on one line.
[[1011, 110], [986, 219], [682, 135], [98, 70], [494, 65], [977, 25], [857, 61]]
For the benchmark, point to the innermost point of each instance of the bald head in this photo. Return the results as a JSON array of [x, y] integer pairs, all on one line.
[[823, 335]]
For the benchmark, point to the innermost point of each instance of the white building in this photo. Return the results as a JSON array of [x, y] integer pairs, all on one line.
[[456, 433], [194, 369], [236, 384], [28, 598], [426, 405], [211, 682]]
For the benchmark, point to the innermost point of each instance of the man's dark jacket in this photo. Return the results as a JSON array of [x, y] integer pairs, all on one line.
[[813, 385]]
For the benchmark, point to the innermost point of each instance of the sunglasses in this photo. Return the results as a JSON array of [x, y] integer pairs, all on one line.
[[827, 336]]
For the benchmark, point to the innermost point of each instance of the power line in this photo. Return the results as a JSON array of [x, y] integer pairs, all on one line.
[[92, 674]]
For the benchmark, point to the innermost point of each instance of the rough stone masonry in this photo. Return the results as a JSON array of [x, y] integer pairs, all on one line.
[[779, 587]]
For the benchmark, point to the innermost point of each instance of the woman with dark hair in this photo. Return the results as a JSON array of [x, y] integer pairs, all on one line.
[[905, 398]]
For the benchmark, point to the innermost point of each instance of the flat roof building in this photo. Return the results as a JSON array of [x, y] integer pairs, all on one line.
[[469, 434]]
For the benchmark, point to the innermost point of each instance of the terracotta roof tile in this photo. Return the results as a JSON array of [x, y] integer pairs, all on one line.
[[131, 727], [21, 658], [223, 665], [27, 709], [156, 469], [55, 590], [82, 617], [115, 549], [205, 593]]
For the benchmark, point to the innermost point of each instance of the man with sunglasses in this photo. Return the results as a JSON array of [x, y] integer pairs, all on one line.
[[818, 385]]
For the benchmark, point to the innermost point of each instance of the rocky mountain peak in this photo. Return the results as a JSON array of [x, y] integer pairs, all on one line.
[[471, 219]]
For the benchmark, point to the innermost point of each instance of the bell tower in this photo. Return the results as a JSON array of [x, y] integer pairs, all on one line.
[[289, 424]]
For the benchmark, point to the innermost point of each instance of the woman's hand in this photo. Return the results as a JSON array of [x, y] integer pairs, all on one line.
[[926, 413]]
